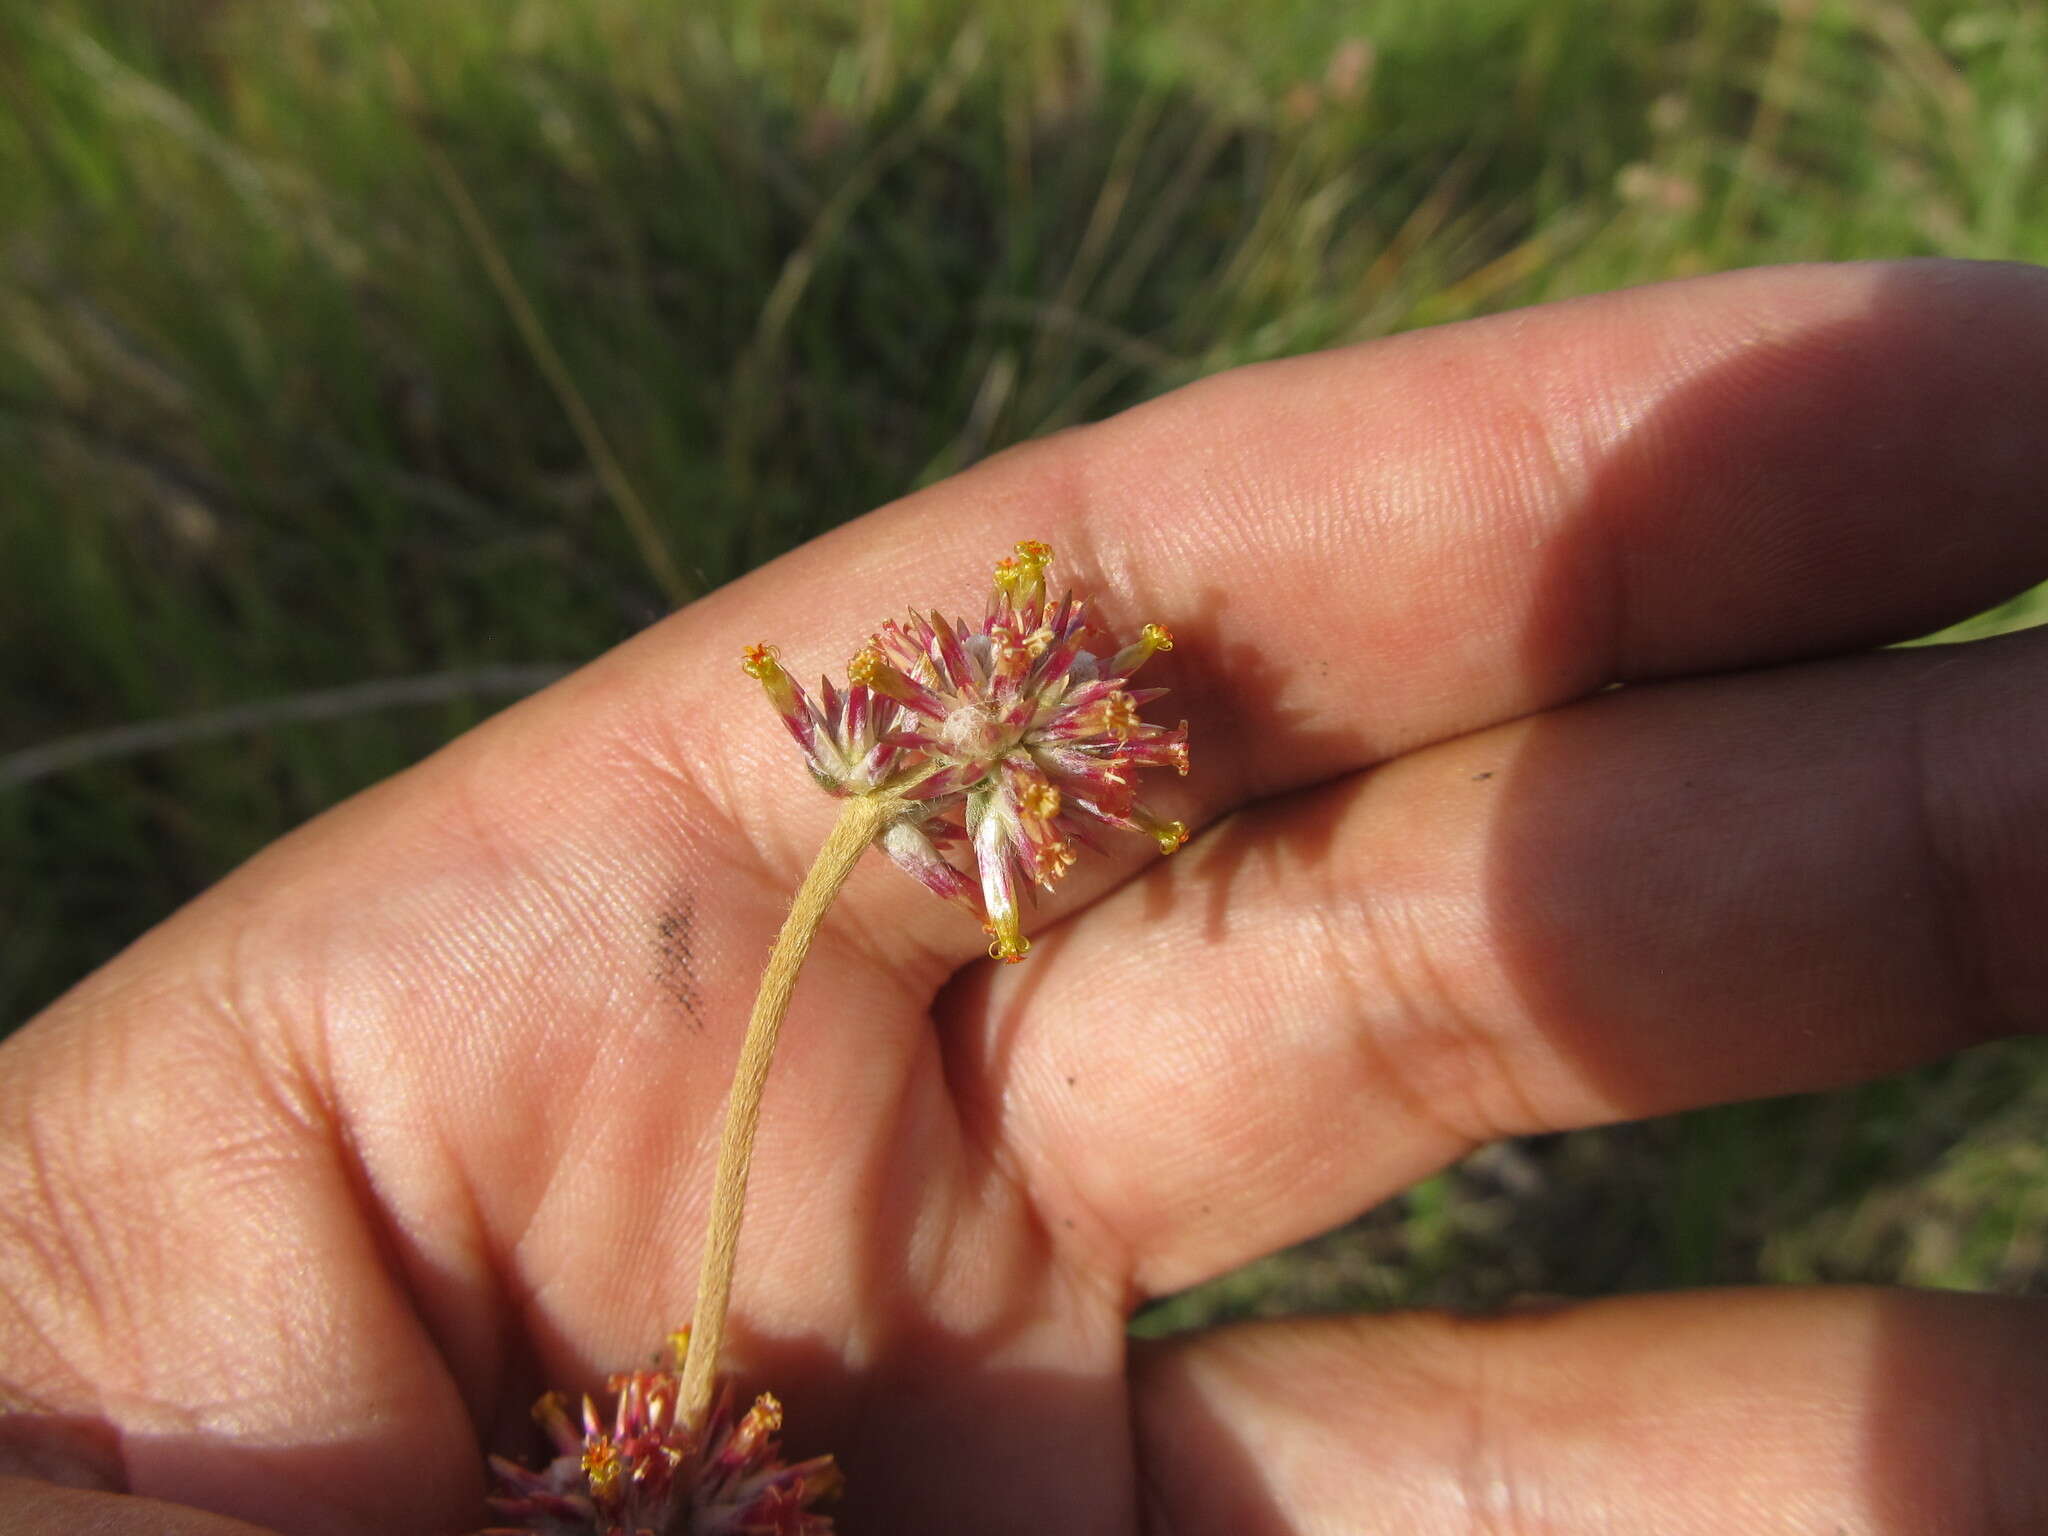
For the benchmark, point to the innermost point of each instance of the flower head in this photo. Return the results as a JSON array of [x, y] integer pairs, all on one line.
[[841, 733], [645, 1472], [1015, 735]]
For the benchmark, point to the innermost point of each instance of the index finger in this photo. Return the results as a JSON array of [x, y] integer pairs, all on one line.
[[1460, 526], [1361, 551]]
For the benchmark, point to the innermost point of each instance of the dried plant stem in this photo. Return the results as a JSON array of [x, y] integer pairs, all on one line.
[[640, 524], [859, 824]]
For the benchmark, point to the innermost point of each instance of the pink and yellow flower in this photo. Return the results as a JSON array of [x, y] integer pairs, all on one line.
[[643, 1471], [1016, 735]]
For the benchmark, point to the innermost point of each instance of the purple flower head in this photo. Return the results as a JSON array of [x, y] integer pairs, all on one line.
[[643, 1471], [1015, 736]]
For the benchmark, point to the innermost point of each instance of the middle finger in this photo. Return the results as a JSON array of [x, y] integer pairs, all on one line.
[[1666, 896]]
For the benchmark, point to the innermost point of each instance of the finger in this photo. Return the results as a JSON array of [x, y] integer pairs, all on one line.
[[1885, 1413], [1671, 895], [1375, 548], [1464, 524], [43, 1509], [194, 1305]]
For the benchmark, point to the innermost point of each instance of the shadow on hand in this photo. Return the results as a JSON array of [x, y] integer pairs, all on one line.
[[1675, 868], [1692, 882], [1707, 890]]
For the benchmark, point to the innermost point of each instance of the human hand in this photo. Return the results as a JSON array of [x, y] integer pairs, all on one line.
[[307, 1195]]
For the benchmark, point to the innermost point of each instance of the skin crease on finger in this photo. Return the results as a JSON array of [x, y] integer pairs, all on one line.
[[1459, 528]]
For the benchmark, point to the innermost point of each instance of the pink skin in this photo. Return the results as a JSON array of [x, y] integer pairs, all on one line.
[[305, 1196]]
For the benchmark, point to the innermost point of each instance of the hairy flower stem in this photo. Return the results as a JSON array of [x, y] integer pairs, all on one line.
[[859, 825]]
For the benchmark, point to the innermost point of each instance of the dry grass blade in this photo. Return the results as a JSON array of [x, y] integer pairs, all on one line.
[[40, 762], [654, 553]]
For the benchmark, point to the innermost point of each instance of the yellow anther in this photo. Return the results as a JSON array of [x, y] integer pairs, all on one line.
[[865, 667], [1009, 951], [1041, 800], [1009, 574], [1035, 554], [1157, 636], [763, 1419], [1170, 835], [1120, 716], [1054, 860], [602, 1464], [679, 1345], [758, 662]]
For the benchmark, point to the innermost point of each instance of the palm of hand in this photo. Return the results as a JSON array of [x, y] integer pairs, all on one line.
[[438, 1081], [315, 1188]]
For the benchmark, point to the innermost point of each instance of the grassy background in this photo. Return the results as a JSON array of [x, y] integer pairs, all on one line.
[[268, 428]]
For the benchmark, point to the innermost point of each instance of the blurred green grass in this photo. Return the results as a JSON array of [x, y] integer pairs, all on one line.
[[267, 428]]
